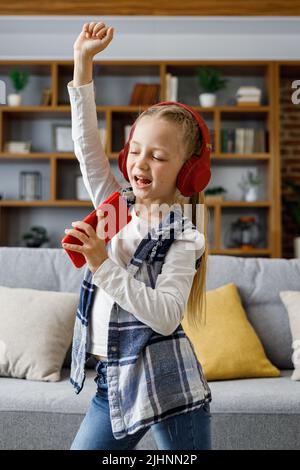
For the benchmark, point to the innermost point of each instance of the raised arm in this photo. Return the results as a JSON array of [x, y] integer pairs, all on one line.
[[97, 174]]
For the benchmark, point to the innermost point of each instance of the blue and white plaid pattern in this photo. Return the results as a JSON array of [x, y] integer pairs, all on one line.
[[150, 376]]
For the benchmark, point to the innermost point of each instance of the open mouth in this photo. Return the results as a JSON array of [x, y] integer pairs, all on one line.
[[142, 183]]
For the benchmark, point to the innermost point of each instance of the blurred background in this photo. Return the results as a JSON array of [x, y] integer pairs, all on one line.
[[237, 63]]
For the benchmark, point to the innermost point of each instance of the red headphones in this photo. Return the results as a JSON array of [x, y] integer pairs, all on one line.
[[195, 173]]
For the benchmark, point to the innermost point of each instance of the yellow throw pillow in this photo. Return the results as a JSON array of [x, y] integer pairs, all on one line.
[[227, 345]]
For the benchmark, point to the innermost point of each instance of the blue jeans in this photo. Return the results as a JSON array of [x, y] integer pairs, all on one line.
[[186, 431]]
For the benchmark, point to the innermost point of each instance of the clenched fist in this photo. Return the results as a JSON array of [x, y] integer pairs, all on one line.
[[93, 38]]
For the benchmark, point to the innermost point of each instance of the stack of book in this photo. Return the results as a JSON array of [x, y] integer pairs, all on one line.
[[248, 96]]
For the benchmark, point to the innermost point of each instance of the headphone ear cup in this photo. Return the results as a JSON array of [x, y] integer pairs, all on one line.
[[194, 175], [184, 179]]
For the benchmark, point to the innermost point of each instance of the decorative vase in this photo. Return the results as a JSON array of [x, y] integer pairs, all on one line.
[[251, 194], [297, 247], [207, 99], [30, 185], [14, 99]]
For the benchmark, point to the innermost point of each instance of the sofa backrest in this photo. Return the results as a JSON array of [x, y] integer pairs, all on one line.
[[39, 268], [259, 281]]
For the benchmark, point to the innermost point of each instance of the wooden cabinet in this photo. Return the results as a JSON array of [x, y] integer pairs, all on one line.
[[114, 83]]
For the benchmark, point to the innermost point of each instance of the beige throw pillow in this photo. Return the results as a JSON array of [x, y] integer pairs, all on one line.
[[36, 329], [291, 301]]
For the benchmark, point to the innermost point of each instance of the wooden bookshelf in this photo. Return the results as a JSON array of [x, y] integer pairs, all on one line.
[[33, 120]]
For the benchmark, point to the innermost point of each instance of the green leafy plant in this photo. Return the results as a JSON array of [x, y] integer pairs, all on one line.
[[36, 236], [250, 180], [19, 79], [294, 206], [215, 190], [210, 79]]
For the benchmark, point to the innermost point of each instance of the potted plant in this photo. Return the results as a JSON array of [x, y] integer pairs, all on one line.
[[214, 194], [210, 81], [249, 186], [19, 80], [294, 210], [36, 237]]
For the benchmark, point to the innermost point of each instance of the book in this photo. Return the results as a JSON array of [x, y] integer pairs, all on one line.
[[171, 87], [248, 90], [239, 140], [145, 94], [248, 103]]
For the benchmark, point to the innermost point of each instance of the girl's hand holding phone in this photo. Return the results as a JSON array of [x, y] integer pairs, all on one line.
[[93, 38], [93, 248]]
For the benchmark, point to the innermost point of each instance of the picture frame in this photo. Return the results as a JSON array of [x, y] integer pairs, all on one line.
[[62, 138]]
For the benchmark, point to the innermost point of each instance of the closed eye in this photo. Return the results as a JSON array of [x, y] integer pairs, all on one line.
[[155, 158]]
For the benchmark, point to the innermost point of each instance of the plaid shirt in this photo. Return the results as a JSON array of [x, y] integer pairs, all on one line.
[[150, 376]]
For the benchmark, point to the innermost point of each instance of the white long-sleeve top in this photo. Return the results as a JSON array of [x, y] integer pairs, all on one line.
[[161, 308]]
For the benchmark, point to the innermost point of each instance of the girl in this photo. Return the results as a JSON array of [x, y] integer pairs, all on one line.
[[137, 288]]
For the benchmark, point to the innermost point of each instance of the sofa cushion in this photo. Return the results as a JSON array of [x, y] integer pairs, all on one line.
[[226, 345], [291, 300], [247, 413], [253, 395], [36, 332]]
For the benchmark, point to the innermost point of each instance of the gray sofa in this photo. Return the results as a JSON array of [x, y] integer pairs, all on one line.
[[256, 413]]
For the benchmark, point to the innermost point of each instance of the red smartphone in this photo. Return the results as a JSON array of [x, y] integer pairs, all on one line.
[[117, 216]]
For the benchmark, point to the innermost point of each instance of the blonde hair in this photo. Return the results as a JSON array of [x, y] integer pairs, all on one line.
[[191, 140]]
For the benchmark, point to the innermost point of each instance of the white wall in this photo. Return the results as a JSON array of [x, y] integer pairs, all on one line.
[[159, 37]]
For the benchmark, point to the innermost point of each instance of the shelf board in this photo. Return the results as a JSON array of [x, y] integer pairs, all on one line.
[[237, 251], [71, 202], [221, 156], [67, 108], [133, 108], [241, 156], [35, 108], [239, 203], [45, 203], [37, 155], [115, 155], [233, 108]]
